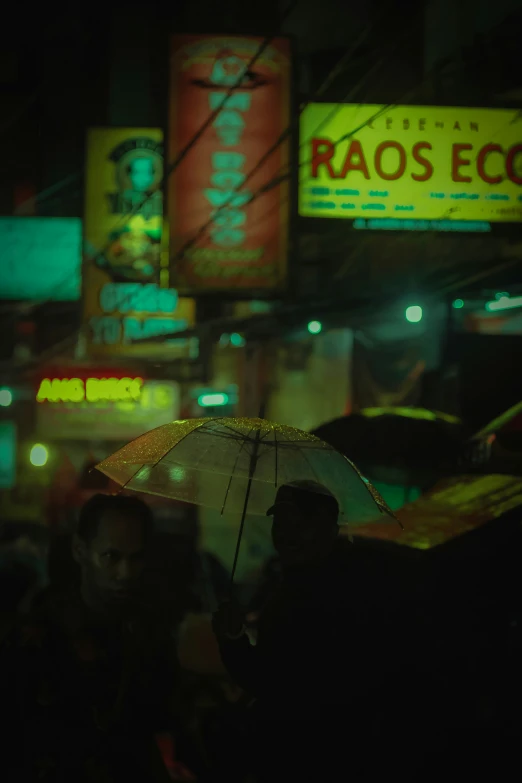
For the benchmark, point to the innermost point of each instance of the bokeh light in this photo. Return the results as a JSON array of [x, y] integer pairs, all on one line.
[[6, 397], [39, 455], [413, 314]]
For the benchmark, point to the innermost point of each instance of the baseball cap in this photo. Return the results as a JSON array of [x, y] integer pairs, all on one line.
[[308, 496]]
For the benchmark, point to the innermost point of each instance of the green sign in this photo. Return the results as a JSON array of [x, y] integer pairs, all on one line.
[[7, 454], [41, 258]]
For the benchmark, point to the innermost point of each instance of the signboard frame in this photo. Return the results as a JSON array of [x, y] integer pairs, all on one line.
[[244, 249], [118, 404], [125, 265], [440, 165]]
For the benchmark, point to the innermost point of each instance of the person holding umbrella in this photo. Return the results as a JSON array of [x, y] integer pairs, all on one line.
[[309, 637]]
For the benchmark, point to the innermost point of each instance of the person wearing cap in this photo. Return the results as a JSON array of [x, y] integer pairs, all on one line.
[[298, 669]]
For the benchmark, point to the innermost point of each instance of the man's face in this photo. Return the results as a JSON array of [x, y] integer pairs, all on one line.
[[298, 537], [114, 561]]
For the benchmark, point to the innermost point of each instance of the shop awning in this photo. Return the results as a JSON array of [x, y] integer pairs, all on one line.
[[453, 507]]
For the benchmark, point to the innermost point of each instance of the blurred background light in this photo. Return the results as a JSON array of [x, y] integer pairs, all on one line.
[[237, 340], [315, 327], [6, 397], [212, 400], [413, 314], [39, 455], [504, 302]]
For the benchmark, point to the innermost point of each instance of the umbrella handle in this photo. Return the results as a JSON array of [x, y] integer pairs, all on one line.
[[252, 468], [240, 534]]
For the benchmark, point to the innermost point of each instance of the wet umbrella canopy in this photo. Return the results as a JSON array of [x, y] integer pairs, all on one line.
[[398, 445], [497, 448], [222, 463]]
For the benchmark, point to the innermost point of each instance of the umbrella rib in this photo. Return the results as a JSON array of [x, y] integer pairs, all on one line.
[[234, 470], [233, 436], [303, 451], [239, 435], [204, 430], [130, 479], [157, 461]]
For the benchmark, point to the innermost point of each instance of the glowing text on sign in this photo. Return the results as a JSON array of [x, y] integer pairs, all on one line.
[[91, 390], [126, 307], [245, 244], [423, 163], [390, 167]]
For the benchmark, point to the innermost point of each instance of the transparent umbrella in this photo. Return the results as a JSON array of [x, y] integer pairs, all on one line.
[[237, 464]]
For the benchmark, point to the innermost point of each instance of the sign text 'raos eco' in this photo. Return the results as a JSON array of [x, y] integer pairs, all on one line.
[[428, 163]]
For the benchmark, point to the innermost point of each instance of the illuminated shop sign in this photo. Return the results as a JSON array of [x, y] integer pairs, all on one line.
[[104, 408], [131, 311], [125, 262], [217, 184], [90, 390], [411, 162]]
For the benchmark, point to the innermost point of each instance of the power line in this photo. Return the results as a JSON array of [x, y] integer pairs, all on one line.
[[278, 178], [208, 122], [349, 96], [283, 176], [188, 147]]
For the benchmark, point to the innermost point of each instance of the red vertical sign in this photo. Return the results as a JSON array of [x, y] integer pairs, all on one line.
[[244, 247]]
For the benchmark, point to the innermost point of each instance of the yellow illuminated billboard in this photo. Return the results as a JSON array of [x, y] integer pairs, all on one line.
[[125, 262], [410, 162]]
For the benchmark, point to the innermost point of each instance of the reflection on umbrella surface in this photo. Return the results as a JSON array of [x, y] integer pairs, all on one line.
[[229, 463]]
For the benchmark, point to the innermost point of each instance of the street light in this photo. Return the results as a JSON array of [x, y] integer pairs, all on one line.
[[212, 400], [6, 397], [315, 327], [39, 455], [413, 314], [237, 340]]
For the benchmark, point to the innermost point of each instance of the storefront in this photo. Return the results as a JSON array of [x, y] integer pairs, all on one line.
[[83, 413]]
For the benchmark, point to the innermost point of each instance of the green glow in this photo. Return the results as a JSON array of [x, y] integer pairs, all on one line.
[[236, 340], [413, 314], [177, 473], [315, 327], [212, 400], [410, 413], [397, 495], [7, 454], [6, 397], [458, 304], [143, 474], [504, 302], [39, 455]]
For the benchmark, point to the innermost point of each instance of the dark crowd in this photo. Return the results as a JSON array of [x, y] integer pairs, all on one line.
[[353, 659]]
